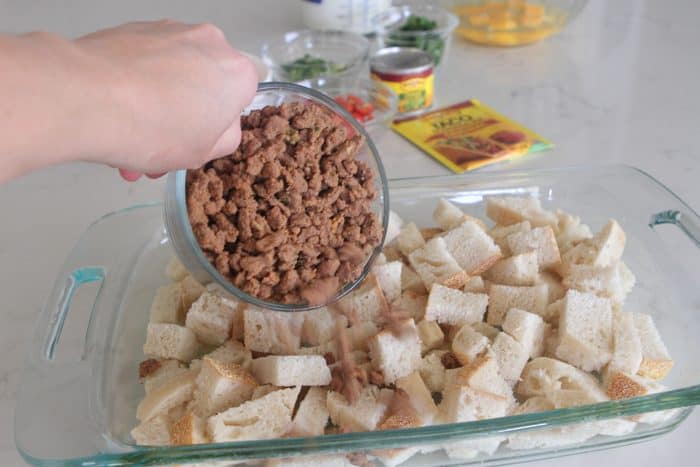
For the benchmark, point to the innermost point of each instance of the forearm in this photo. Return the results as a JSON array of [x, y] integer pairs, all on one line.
[[53, 106]]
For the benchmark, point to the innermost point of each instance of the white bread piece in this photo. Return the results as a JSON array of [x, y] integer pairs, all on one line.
[[430, 335], [500, 234], [621, 385], [434, 264], [432, 371], [539, 239], [319, 326], [613, 282], [233, 352], [330, 347], [380, 259], [470, 448], [152, 432], [520, 269], [461, 403], [551, 341], [165, 397], [360, 334], [451, 306], [366, 302], [312, 415], [211, 317], [585, 331], [158, 371], [475, 284], [504, 297], [473, 249], [310, 461], [555, 289], [167, 340], [429, 233], [396, 355], [526, 328], [543, 376], [391, 252], [604, 249], [166, 306], [188, 429], [554, 311], [175, 270], [412, 303], [554, 437], [220, 385], [468, 344], [627, 346], [509, 210], [656, 361], [411, 281], [263, 390], [533, 405], [272, 331], [393, 227], [190, 290], [482, 374], [570, 231], [446, 215], [265, 418], [292, 370], [365, 414], [409, 239], [419, 396], [389, 278], [237, 324], [511, 356]]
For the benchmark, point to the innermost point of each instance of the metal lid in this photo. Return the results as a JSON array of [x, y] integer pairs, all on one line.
[[402, 60]]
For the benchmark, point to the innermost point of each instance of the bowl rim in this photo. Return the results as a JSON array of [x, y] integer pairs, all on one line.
[[383, 198], [406, 9]]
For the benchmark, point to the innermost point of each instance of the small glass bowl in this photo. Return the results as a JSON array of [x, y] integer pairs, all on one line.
[[177, 222], [436, 41], [343, 53], [508, 23], [383, 99]]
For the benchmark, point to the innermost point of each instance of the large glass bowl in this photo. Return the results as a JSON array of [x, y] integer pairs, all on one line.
[[343, 54], [175, 207]]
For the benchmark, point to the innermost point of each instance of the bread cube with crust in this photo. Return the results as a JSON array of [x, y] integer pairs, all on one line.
[[152, 432], [450, 306], [411, 303], [154, 372], [396, 355], [166, 306], [447, 215], [430, 335], [526, 328], [175, 270], [509, 210], [500, 234], [585, 331], [468, 344], [464, 403], [472, 247], [272, 331], [475, 284], [519, 269], [389, 278], [511, 356], [435, 265], [365, 414], [656, 361], [167, 396], [613, 282], [604, 249], [540, 240], [190, 290], [292, 370], [188, 429], [482, 374], [311, 417], [570, 231], [211, 317], [366, 303], [393, 227], [486, 329], [409, 239], [504, 297], [555, 289], [232, 352], [419, 396], [220, 385], [167, 340], [411, 281], [627, 345], [543, 376], [319, 326], [432, 370]]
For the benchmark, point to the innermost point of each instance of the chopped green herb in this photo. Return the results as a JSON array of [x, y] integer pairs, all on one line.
[[308, 67], [431, 43]]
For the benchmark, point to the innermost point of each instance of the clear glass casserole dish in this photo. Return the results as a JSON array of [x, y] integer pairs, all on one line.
[[78, 411]]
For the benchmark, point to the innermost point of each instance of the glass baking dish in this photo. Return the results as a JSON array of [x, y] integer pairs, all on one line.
[[79, 410]]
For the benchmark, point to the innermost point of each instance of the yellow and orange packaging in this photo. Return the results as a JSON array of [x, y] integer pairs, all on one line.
[[469, 135]]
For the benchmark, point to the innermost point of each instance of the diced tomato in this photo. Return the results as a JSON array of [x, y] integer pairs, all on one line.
[[361, 110]]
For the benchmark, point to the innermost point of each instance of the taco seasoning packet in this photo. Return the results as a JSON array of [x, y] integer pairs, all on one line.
[[469, 135]]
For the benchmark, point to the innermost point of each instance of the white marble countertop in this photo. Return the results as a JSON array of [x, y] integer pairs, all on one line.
[[620, 85]]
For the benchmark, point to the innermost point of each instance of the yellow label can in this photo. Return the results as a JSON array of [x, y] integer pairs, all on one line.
[[409, 73]]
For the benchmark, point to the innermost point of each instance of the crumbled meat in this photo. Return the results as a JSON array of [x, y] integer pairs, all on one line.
[[376, 378], [449, 361], [268, 214], [148, 367], [347, 378]]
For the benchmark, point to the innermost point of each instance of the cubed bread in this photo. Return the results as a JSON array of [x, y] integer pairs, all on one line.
[[447, 215], [500, 234], [472, 247], [434, 264], [393, 227], [570, 231], [555, 290], [412, 303], [396, 355], [430, 335], [311, 417], [483, 374], [610, 244], [511, 356], [366, 302], [166, 340], [509, 210], [167, 396], [475, 284], [526, 328], [292, 370], [463, 404], [152, 432], [237, 327], [391, 252], [232, 352], [155, 372], [272, 331], [467, 344], [410, 281], [504, 297], [265, 418], [409, 239], [585, 331], [190, 291], [220, 385], [613, 282], [470, 448], [486, 329], [627, 346], [360, 334], [211, 317], [175, 270], [540, 240], [429, 233], [451, 306], [624, 386], [656, 361], [389, 278], [380, 259], [166, 306], [263, 390], [319, 326], [365, 414], [432, 370], [519, 269], [543, 376], [188, 429], [419, 396]]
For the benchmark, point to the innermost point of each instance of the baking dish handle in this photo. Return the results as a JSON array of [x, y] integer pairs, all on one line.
[[687, 222]]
